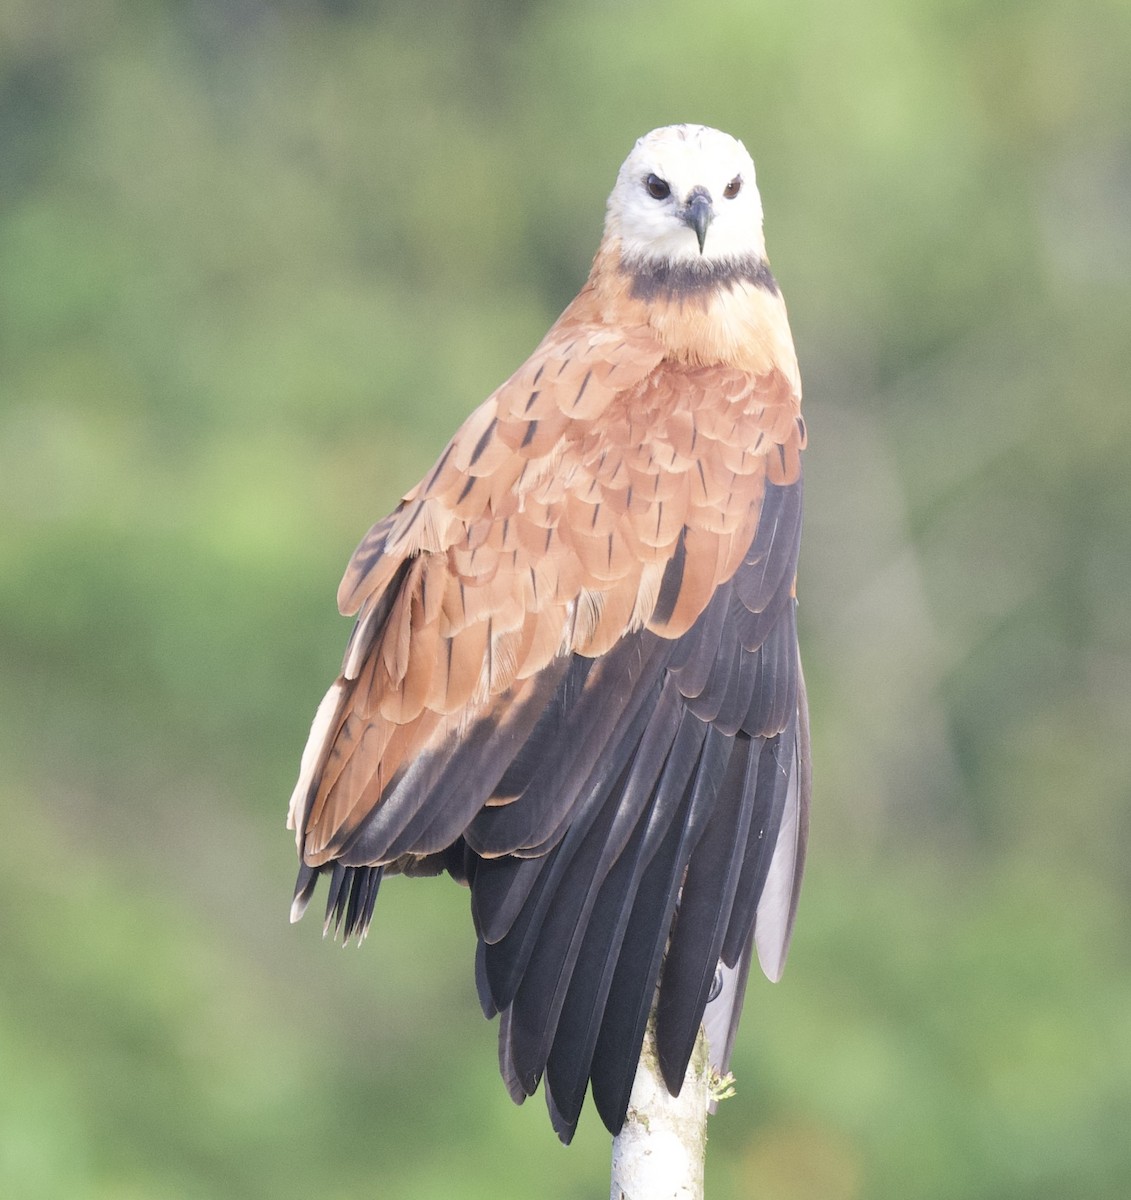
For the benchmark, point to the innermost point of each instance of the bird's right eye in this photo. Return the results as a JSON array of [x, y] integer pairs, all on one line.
[[658, 188]]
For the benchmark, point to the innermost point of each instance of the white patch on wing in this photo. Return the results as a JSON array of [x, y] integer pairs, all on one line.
[[569, 629], [772, 923], [324, 720], [360, 640], [651, 579], [718, 1018]]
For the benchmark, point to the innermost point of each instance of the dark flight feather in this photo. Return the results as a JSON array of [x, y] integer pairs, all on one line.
[[570, 1061], [633, 987], [701, 919]]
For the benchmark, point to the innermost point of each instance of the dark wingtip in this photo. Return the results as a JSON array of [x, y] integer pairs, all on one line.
[[482, 983], [564, 1126], [305, 884], [673, 1067], [349, 905]]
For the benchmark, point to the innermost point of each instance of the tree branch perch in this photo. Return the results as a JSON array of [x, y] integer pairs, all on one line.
[[660, 1152]]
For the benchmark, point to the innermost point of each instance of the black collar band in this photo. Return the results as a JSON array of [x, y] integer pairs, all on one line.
[[660, 280]]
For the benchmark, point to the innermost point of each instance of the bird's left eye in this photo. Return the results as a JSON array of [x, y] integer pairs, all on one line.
[[658, 188], [733, 188]]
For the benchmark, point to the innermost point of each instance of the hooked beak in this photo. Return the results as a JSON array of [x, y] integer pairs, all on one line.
[[698, 214]]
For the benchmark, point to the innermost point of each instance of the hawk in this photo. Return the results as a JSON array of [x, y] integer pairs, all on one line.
[[573, 682]]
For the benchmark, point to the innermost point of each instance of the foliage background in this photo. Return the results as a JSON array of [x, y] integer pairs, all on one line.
[[256, 262]]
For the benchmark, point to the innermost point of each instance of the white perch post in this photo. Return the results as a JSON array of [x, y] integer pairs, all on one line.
[[659, 1154]]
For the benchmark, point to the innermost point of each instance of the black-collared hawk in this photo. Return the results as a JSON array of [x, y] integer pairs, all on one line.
[[573, 682]]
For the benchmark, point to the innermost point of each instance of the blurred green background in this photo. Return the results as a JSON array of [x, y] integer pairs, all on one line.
[[256, 262]]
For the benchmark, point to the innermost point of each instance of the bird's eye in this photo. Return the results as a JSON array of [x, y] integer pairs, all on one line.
[[658, 188], [733, 188]]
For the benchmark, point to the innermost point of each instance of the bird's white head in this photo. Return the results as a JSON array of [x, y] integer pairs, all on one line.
[[686, 194]]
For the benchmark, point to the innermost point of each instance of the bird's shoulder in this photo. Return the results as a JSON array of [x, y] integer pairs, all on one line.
[[597, 452]]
